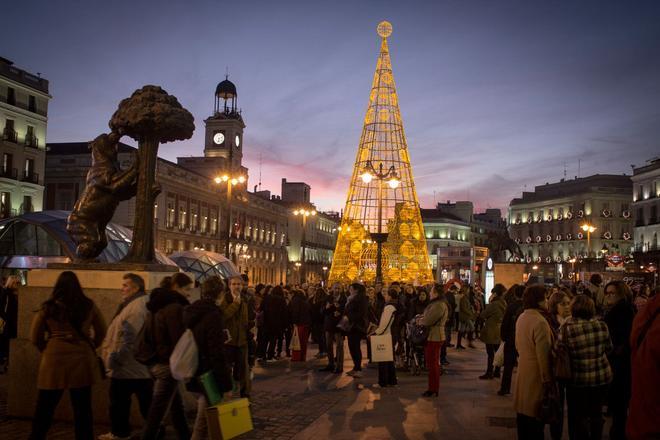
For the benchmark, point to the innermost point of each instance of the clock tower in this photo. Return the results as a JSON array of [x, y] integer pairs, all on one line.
[[224, 130]]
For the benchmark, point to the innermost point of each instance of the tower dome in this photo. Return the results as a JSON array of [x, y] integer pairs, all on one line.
[[225, 90], [226, 98]]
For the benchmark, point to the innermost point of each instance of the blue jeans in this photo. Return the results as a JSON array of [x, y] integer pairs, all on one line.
[[166, 398]]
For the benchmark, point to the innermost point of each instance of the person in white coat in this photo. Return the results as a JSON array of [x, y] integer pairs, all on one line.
[[127, 375], [386, 370]]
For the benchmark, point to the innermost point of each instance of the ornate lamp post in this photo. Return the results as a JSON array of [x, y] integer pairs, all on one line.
[[231, 181], [588, 229], [393, 181], [304, 213]]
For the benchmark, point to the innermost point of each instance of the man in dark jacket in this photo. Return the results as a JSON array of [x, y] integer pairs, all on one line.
[[203, 317], [237, 312], [508, 335], [275, 315], [166, 308], [357, 306], [332, 313], [300, 314]]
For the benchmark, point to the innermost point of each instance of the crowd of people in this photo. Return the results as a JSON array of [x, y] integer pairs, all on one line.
[[600, 328]]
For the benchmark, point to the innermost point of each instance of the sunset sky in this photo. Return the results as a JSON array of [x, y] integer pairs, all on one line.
[[495, 96]]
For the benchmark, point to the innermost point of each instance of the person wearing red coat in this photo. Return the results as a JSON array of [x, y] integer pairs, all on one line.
[[644, 410]]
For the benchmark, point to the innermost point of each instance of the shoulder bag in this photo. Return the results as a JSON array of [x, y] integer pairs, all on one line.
[[561, 367]]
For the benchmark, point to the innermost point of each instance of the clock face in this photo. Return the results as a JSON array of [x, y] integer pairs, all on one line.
[[238, 140], [218, 138]]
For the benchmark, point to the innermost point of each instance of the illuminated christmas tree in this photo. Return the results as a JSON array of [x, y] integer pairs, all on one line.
[[382, 205]]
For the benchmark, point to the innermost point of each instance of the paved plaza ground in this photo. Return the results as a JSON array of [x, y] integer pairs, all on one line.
[[294, 401]]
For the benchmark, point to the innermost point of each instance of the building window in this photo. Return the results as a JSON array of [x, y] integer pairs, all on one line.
[[169, 222], [5, 205], [28, 172], [182, 219], [9, 133], [32, 104], [11, 96], [7, 165], [27, 205], [30, 138]]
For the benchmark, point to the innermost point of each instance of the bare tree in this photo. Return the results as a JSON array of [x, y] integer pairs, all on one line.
[[150, 116]]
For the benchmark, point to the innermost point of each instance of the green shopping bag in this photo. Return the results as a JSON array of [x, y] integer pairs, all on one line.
[[211, 388]]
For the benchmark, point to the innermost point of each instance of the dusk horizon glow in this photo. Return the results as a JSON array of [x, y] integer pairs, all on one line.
[[495, 99]]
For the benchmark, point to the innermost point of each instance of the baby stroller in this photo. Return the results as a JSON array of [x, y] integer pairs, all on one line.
[[415, 339]]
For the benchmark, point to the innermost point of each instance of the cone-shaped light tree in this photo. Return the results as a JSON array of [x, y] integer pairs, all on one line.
[[150, 116], [381, 236]]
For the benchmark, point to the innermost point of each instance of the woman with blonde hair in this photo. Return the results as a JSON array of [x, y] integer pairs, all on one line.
[[533, 341]]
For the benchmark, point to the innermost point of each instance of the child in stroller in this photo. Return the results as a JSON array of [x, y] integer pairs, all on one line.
[[415, 340]]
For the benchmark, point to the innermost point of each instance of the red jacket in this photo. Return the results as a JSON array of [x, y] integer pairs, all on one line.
[[644, 416]]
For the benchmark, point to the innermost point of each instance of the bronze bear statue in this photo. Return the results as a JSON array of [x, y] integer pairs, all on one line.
[[106, 186]]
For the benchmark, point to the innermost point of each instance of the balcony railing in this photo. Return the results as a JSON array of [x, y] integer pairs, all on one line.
[[10, 135], [6, 213], [9, 173], [24, 106], [31, 141], [29, 176]]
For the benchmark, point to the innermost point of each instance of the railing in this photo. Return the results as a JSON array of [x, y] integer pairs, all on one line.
[[29, 176], [10, 135], [31, 141], [9, 173], [6, 213], [23, 106]]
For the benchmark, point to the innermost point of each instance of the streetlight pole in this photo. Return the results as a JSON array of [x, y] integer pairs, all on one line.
[[231, 181], [380, 237], [588, 229]]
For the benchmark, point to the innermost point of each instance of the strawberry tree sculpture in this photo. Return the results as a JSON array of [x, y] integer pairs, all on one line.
[[150, 116]]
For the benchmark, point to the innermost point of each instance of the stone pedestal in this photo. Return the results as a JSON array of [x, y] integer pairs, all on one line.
[[102, 286]]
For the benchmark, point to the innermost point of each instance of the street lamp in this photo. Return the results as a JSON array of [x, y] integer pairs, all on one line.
[[230, 181], [304, 213], [393, 182], [588, 229], [572, 261]]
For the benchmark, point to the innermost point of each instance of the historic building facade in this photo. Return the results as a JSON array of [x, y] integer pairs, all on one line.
[[551, 223], [458, 239], [310, 230], [646, 212], [23, 119]]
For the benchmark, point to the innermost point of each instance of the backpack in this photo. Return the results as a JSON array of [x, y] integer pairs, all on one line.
[[184, 359], [144, 350]]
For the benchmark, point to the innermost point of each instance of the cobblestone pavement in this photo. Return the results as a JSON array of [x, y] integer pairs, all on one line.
[[294, 401]]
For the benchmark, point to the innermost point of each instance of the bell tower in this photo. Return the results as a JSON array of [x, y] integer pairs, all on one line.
[[224, 130]]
